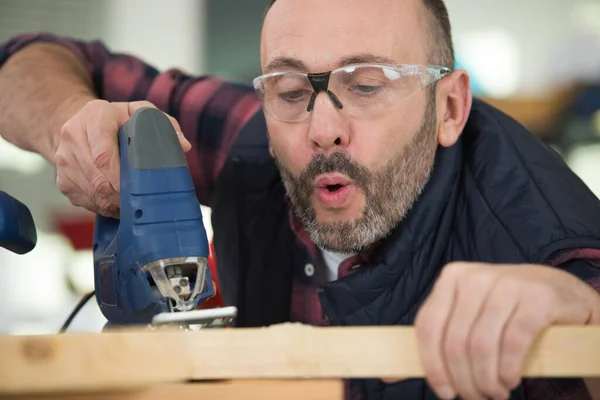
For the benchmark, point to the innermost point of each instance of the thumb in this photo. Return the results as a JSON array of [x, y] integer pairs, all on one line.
[[185, 144]]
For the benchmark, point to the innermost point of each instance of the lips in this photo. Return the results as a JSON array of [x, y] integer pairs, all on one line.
[[333, 190], [329, 180]]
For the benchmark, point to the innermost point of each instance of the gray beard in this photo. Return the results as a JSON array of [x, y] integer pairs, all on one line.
[[390, 192]]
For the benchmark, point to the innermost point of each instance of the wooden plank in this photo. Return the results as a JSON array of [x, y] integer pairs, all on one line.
[[225, 390], [137, 359]]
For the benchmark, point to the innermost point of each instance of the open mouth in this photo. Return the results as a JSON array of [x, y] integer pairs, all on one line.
[[333, 188], [331, 182]]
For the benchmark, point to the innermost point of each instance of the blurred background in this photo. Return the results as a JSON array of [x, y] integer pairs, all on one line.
[[537, 60]]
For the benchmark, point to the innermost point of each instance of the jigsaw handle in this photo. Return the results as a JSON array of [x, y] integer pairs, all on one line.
[[17, 228], [158, 197], [151, 142]]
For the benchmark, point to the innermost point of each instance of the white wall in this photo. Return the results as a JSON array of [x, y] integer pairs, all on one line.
[[528, 44], [165, 33]]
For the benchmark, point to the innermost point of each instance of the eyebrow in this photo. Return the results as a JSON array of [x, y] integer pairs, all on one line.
[[365, 58], [283, 63], [279, 63]]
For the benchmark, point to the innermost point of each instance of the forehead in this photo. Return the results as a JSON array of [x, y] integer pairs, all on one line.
[[322, 33]]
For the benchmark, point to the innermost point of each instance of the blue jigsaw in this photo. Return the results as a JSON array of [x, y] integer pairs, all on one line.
[[152, 262]]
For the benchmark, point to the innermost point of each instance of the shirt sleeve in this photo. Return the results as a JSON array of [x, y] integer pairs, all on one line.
[[585, 264], [210, 111]]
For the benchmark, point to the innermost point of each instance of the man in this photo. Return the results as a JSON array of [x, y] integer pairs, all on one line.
[[358, 183]]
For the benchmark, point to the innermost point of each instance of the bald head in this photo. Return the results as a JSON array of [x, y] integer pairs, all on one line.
[[375, 128], [438, 32]]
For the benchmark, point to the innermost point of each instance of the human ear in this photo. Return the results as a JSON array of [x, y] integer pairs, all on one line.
[[454, 100]]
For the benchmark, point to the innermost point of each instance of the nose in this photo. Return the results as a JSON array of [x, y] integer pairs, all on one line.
[[329, 129]]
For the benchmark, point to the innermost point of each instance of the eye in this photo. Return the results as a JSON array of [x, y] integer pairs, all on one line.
[[293, 95], [364, 90]]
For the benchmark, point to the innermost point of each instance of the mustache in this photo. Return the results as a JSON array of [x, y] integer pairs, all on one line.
[[337, 162]]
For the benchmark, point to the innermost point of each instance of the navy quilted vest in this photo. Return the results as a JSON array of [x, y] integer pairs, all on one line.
[[499, 195]]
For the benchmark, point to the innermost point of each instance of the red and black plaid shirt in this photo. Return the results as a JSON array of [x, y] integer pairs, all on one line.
[[211, 112]]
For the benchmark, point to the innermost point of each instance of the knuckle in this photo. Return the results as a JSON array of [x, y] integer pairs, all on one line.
[[543, 295], [538, 290], [67, 188], [66, 131], [527, 326], [102, 159], [453, 266], [100, 186], [95, 104], [514, 342], [63, 185], [453, 269], [481, 345], [94, 107], [60, 160], [511, 287], [455, 346], [476, 279], [105, 206]]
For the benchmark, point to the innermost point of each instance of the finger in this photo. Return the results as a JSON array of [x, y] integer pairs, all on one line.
[[72, 166], [92, 181], [523, 326], [73, 191], [84, 196], [430, 324], [77, 196], [102, 137], [486, 336], [472, 293]]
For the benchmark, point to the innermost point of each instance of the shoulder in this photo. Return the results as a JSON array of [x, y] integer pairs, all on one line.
[[524, 188]]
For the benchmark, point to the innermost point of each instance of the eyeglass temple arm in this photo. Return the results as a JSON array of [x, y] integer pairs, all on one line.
[[434, 74]]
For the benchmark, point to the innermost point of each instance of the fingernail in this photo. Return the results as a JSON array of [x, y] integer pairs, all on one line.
[[446, 393]]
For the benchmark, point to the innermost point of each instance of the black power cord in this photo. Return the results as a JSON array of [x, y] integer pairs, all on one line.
[[77, 308]]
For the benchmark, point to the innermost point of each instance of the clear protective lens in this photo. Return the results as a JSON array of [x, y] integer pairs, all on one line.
[[364, 90], [286, 96], [368, 90]]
